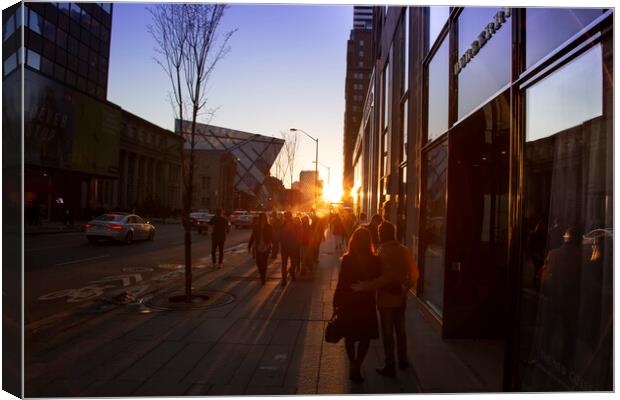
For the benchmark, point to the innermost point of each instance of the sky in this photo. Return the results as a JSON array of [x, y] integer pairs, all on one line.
[[286, 69]]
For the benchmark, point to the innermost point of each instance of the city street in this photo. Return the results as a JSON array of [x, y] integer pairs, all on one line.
[[63, 272], [248, 339]]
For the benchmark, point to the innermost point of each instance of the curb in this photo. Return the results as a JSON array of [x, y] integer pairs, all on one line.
[[53, 232]]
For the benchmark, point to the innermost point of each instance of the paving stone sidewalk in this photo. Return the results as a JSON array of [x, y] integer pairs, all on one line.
[[268, 341]]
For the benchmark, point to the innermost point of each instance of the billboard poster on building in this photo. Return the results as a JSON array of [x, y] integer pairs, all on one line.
[[68, 130]]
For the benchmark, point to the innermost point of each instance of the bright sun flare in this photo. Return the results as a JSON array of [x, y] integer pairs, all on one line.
[[333, 193]]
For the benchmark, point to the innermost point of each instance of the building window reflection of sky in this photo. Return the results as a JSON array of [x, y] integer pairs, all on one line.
[[567, 98], [438, 16]]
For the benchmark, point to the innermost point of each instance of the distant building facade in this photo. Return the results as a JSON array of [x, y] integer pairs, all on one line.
[[310, 185], [359, 68], [254, 155], [214, 176], [149, 165]]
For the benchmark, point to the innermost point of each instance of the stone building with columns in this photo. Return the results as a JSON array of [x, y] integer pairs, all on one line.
[[149, 165]]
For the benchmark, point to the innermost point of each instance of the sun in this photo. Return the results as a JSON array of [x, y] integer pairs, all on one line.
[[333, 193]]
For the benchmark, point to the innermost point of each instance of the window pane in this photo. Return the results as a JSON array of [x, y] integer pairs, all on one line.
[[406, 50], [434, 220], [567, 271], [34, 59], [386, 94], [437, 19], [36, 22], [438, 71], [405, 129], [49, 31], [18, 17], [9, 27], [10, 64], [489, 70], [64, 6], [565, 99], [542, 37]]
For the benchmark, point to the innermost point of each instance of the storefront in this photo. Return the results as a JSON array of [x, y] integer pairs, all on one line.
[[516, 215], [71, 149]]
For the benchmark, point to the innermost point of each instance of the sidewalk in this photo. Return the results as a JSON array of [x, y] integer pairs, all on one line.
[[268, 341], [46, 228]]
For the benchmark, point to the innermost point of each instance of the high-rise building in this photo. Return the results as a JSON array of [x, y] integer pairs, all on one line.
[[81, 153], [67, 42], [359, 67], [362, 17]]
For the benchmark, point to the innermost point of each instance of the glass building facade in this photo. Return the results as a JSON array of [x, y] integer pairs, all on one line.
[[254, 154], [68, 42], [503, 142]]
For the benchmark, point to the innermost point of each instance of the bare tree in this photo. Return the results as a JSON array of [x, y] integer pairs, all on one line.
[[289, 153], [188, 49]]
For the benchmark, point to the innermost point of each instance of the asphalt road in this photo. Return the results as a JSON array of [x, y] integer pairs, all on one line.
[[63, 271]]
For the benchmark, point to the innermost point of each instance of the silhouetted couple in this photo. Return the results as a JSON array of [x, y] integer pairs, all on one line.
[[390, 274]]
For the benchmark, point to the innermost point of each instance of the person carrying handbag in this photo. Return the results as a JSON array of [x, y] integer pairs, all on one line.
[[398, 274], [355, 311]]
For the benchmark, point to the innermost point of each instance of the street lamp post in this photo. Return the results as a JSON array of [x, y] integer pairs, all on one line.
[[316, 162], [328, 171]]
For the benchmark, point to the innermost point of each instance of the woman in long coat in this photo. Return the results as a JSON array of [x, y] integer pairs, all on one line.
[[356, 310]]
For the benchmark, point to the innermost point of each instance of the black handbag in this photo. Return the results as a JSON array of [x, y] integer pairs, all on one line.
[[333, 330]]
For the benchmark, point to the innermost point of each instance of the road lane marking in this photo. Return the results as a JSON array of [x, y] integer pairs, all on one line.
[[83, 259], [126, 279]]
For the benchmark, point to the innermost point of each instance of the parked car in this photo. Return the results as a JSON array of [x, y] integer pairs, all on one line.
[[200, 221], [122, 227], [241, 219]]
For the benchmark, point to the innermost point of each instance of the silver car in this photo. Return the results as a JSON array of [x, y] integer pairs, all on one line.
[[119, 226]]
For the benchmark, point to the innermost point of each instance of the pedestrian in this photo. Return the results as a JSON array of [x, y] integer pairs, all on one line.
[[338, 232], [317, 237], [260, 244], [221, 227], [304, 248], [398, 274], [276, 223], [373, 226], [289, 246], [356, 310]]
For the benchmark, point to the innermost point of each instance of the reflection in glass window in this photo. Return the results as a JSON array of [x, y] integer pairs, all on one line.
[[438, 70], [405, 114], [64, 6], [35, 22], [9, 27], [566, 98], [542, 37], [406, 50], [567, 270], [433, 254], [489, 71], [33, 59], [386, 94], [438, 15], [18, 17], [10, 64]]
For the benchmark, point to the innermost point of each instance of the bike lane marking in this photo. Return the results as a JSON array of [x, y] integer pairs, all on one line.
[[82, 260]]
